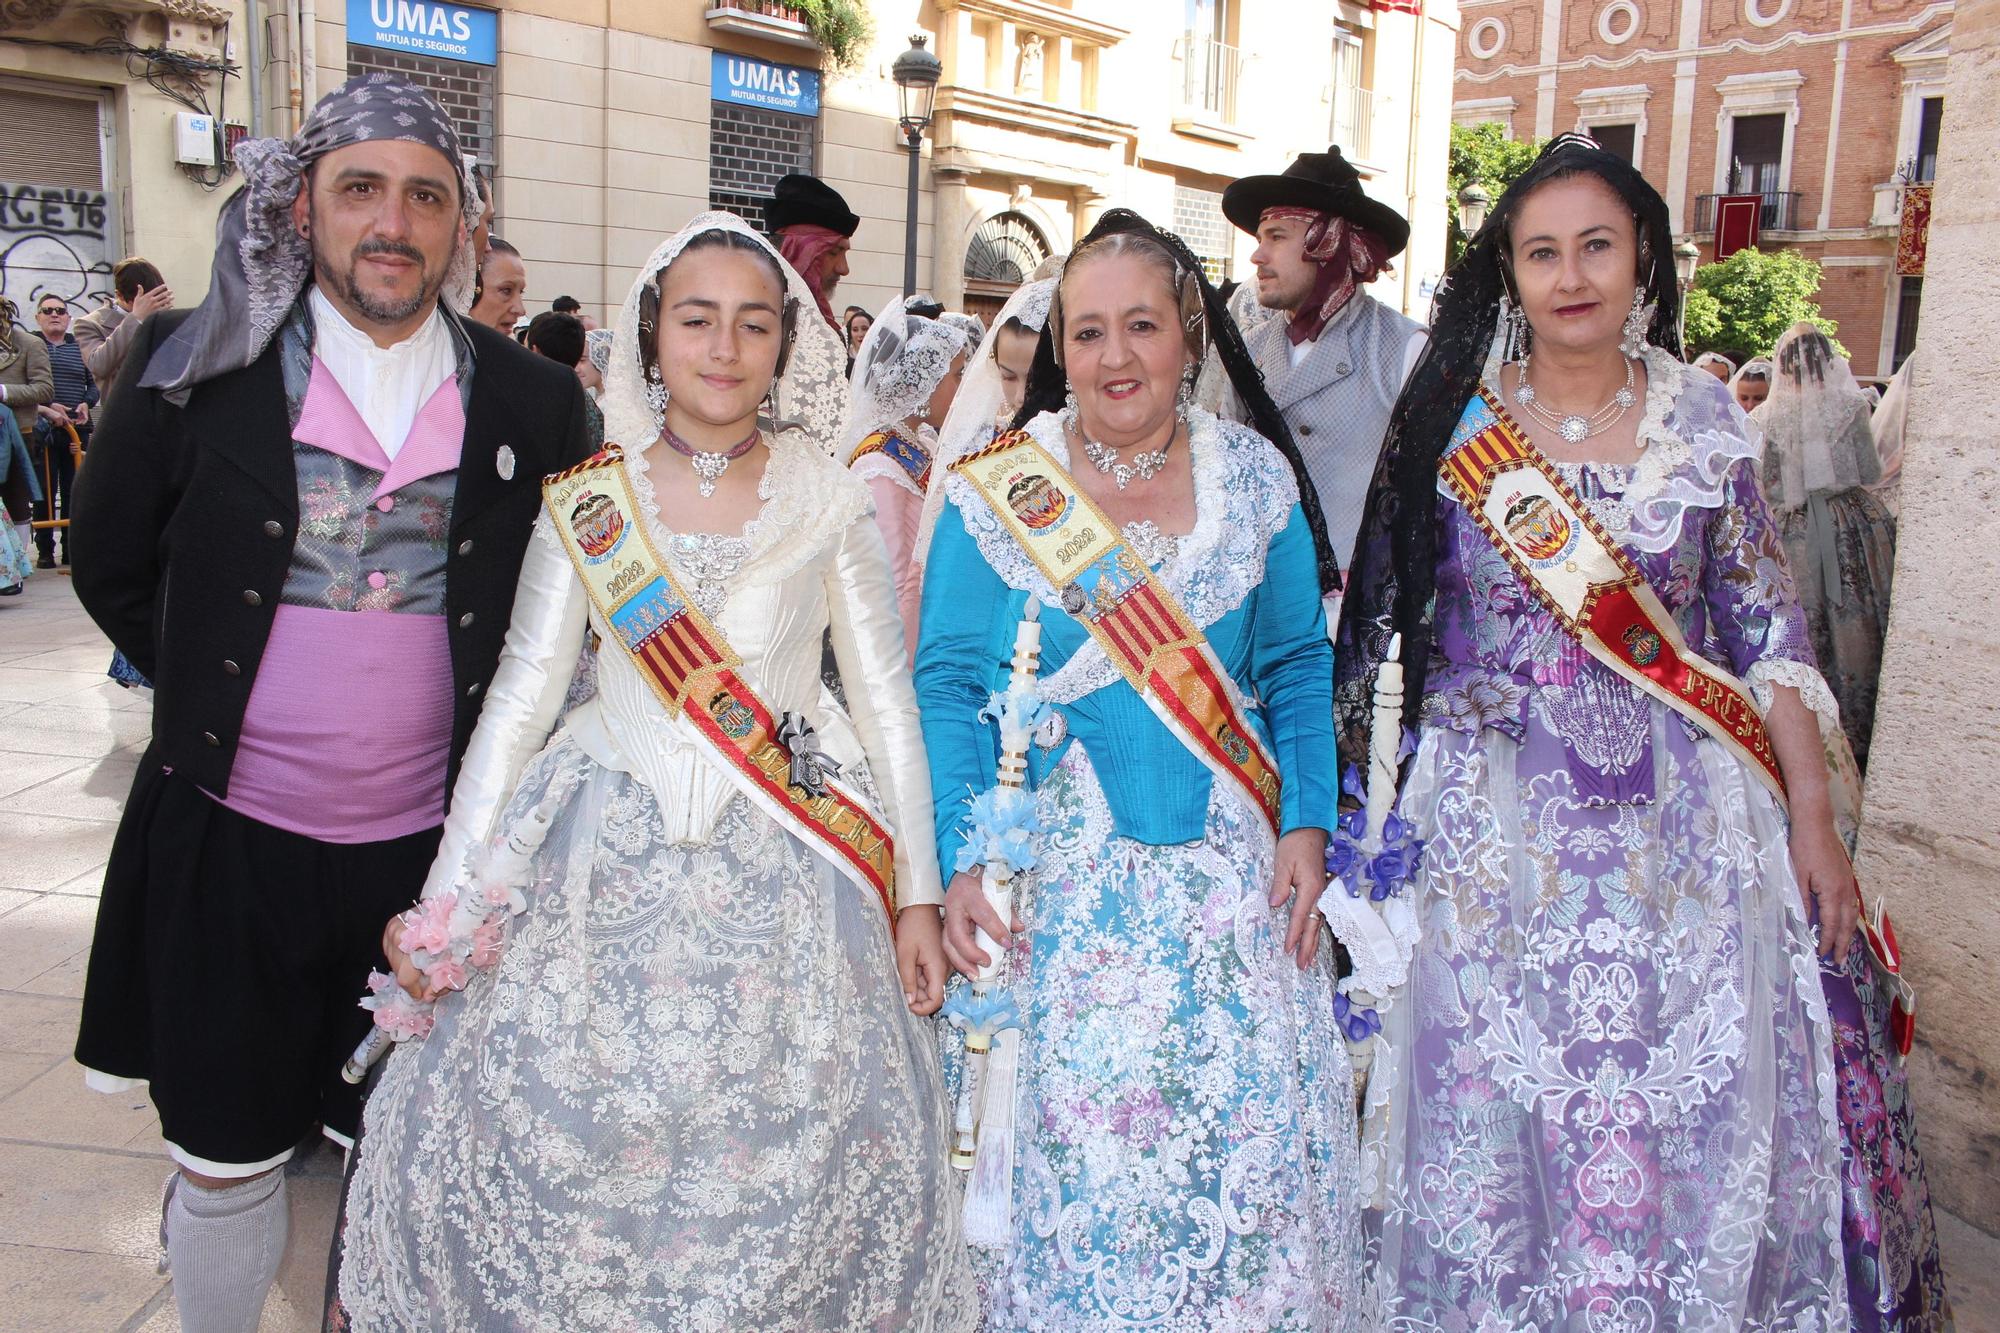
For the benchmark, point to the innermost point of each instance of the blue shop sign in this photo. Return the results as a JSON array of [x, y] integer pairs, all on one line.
[[426, 28], [747, 81]]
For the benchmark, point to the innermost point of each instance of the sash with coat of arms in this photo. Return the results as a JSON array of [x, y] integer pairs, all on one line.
[[901, 450], [1590, 585], [1109, 590], [698, 677]]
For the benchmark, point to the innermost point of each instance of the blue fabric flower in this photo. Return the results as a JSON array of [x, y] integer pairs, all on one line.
[[1359, 1024], [1000, 820], [982, 1015]]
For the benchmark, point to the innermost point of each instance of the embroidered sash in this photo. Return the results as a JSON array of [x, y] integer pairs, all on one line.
[[1107, 588], [1590, 585], [686, 661], [907, 454]]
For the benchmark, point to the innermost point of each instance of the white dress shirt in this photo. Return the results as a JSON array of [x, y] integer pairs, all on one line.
[[387, 385]]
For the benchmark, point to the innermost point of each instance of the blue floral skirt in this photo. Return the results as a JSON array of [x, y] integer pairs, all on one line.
[[1184, 1121]]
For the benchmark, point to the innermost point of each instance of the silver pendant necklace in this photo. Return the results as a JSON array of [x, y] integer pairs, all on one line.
[[1145, 466], [1574, 427]]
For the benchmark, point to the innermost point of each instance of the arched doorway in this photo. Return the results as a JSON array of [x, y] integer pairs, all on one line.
[[1002, 255]]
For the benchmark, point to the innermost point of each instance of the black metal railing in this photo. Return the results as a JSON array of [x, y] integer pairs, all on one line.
[[1780, 211]]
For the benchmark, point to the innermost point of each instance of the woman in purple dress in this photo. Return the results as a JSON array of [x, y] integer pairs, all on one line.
[[1607, 1096]]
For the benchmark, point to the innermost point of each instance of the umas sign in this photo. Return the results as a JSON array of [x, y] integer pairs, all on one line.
[[425, 28], [759, 83]]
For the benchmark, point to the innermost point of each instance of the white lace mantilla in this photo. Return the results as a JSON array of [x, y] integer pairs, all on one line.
[[1244, 493], [1689, 432]]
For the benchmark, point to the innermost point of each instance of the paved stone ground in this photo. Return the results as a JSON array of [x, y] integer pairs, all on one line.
[[80, 1173]]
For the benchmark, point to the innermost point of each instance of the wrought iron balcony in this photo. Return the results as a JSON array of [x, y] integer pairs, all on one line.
[[1780, 211], [1353, 122], [1209, 71]]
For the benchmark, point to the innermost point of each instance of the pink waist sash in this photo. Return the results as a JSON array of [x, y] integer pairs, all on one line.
[[348, 729]]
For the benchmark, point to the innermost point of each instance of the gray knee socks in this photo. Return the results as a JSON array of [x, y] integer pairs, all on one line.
[[223, 1249]]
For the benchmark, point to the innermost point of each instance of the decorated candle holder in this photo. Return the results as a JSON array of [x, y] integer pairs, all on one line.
[[1001, 827]]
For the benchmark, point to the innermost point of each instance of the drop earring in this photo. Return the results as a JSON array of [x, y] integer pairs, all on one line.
[[1184, 398], [1636, 321], [1515, 335], [656, 398]]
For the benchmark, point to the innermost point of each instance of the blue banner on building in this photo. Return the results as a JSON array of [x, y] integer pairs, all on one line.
[[747, 81], [426, 28]]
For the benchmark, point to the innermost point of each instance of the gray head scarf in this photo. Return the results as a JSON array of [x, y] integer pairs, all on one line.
[[261, 261]]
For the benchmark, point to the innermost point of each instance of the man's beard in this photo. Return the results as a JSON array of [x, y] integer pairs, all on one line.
[[1275, 297], [372, 308]]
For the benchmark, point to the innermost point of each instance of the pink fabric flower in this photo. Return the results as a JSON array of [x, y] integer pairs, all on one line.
[[486, 945], [427, 926], [447, 973]]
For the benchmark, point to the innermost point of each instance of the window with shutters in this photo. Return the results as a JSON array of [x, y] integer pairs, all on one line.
[[59, 234], [51, 139], [748, 150]]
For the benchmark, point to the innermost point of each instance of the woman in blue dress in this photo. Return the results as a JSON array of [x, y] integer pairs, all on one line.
[[1183, 1120]]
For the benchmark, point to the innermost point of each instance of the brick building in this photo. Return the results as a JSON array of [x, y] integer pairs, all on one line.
[[1823, 108]]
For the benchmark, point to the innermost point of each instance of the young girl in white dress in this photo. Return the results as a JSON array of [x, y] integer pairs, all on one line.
[[694, 1090]]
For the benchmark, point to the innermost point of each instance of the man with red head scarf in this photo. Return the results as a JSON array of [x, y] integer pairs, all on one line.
[[1334, 357], [813, 227]]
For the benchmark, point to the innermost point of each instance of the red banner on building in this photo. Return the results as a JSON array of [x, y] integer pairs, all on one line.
[[1913, 240], [1398, 6], [1739, 222]]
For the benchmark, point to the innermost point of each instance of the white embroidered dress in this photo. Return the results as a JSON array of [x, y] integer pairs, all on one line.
[[690, 1095]]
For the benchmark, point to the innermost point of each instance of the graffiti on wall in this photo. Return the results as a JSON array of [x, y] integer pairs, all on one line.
[[54, 240]]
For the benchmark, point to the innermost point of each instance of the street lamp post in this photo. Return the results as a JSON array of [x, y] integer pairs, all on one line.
[[916, 73], [1687, 258], [1473, 201]]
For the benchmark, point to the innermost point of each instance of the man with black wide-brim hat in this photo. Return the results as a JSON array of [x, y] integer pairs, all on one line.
[[813, 227], [1336, 360]]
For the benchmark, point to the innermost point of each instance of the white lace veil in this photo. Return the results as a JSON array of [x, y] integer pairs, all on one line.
[[1890, 424], [970, 325], [1817, 439], [1757, 367], [901, 362], [981, 405], [807, 397]]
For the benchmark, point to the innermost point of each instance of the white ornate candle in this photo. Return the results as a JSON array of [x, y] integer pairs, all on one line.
[[1385, 740]]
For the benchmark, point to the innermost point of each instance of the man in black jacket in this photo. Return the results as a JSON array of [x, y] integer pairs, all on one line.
[[303, 519]]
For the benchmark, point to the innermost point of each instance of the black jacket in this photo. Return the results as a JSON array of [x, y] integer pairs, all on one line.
[[182, 534]]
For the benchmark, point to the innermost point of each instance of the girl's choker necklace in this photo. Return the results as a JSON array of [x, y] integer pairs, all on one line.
[[709, 465]]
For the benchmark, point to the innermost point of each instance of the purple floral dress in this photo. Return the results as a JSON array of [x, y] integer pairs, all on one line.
[[1610, 1102]]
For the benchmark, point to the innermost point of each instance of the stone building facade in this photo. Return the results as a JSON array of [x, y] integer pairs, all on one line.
[[606, 124], [88, 170], [1824, 108]]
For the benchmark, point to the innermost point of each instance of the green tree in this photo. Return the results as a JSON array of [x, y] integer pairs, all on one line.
[[841, 27], [1485, 154], [1740, 306]]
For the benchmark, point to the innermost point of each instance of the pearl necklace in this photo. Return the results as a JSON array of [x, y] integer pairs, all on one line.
[[1145, 466], [1572, 426], [709, 465]]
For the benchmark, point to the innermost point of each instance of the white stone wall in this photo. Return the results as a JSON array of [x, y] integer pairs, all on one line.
[[1931, 842]]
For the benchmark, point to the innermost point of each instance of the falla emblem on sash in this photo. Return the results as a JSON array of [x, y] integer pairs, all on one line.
[[736, 720], [1645, 644]]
